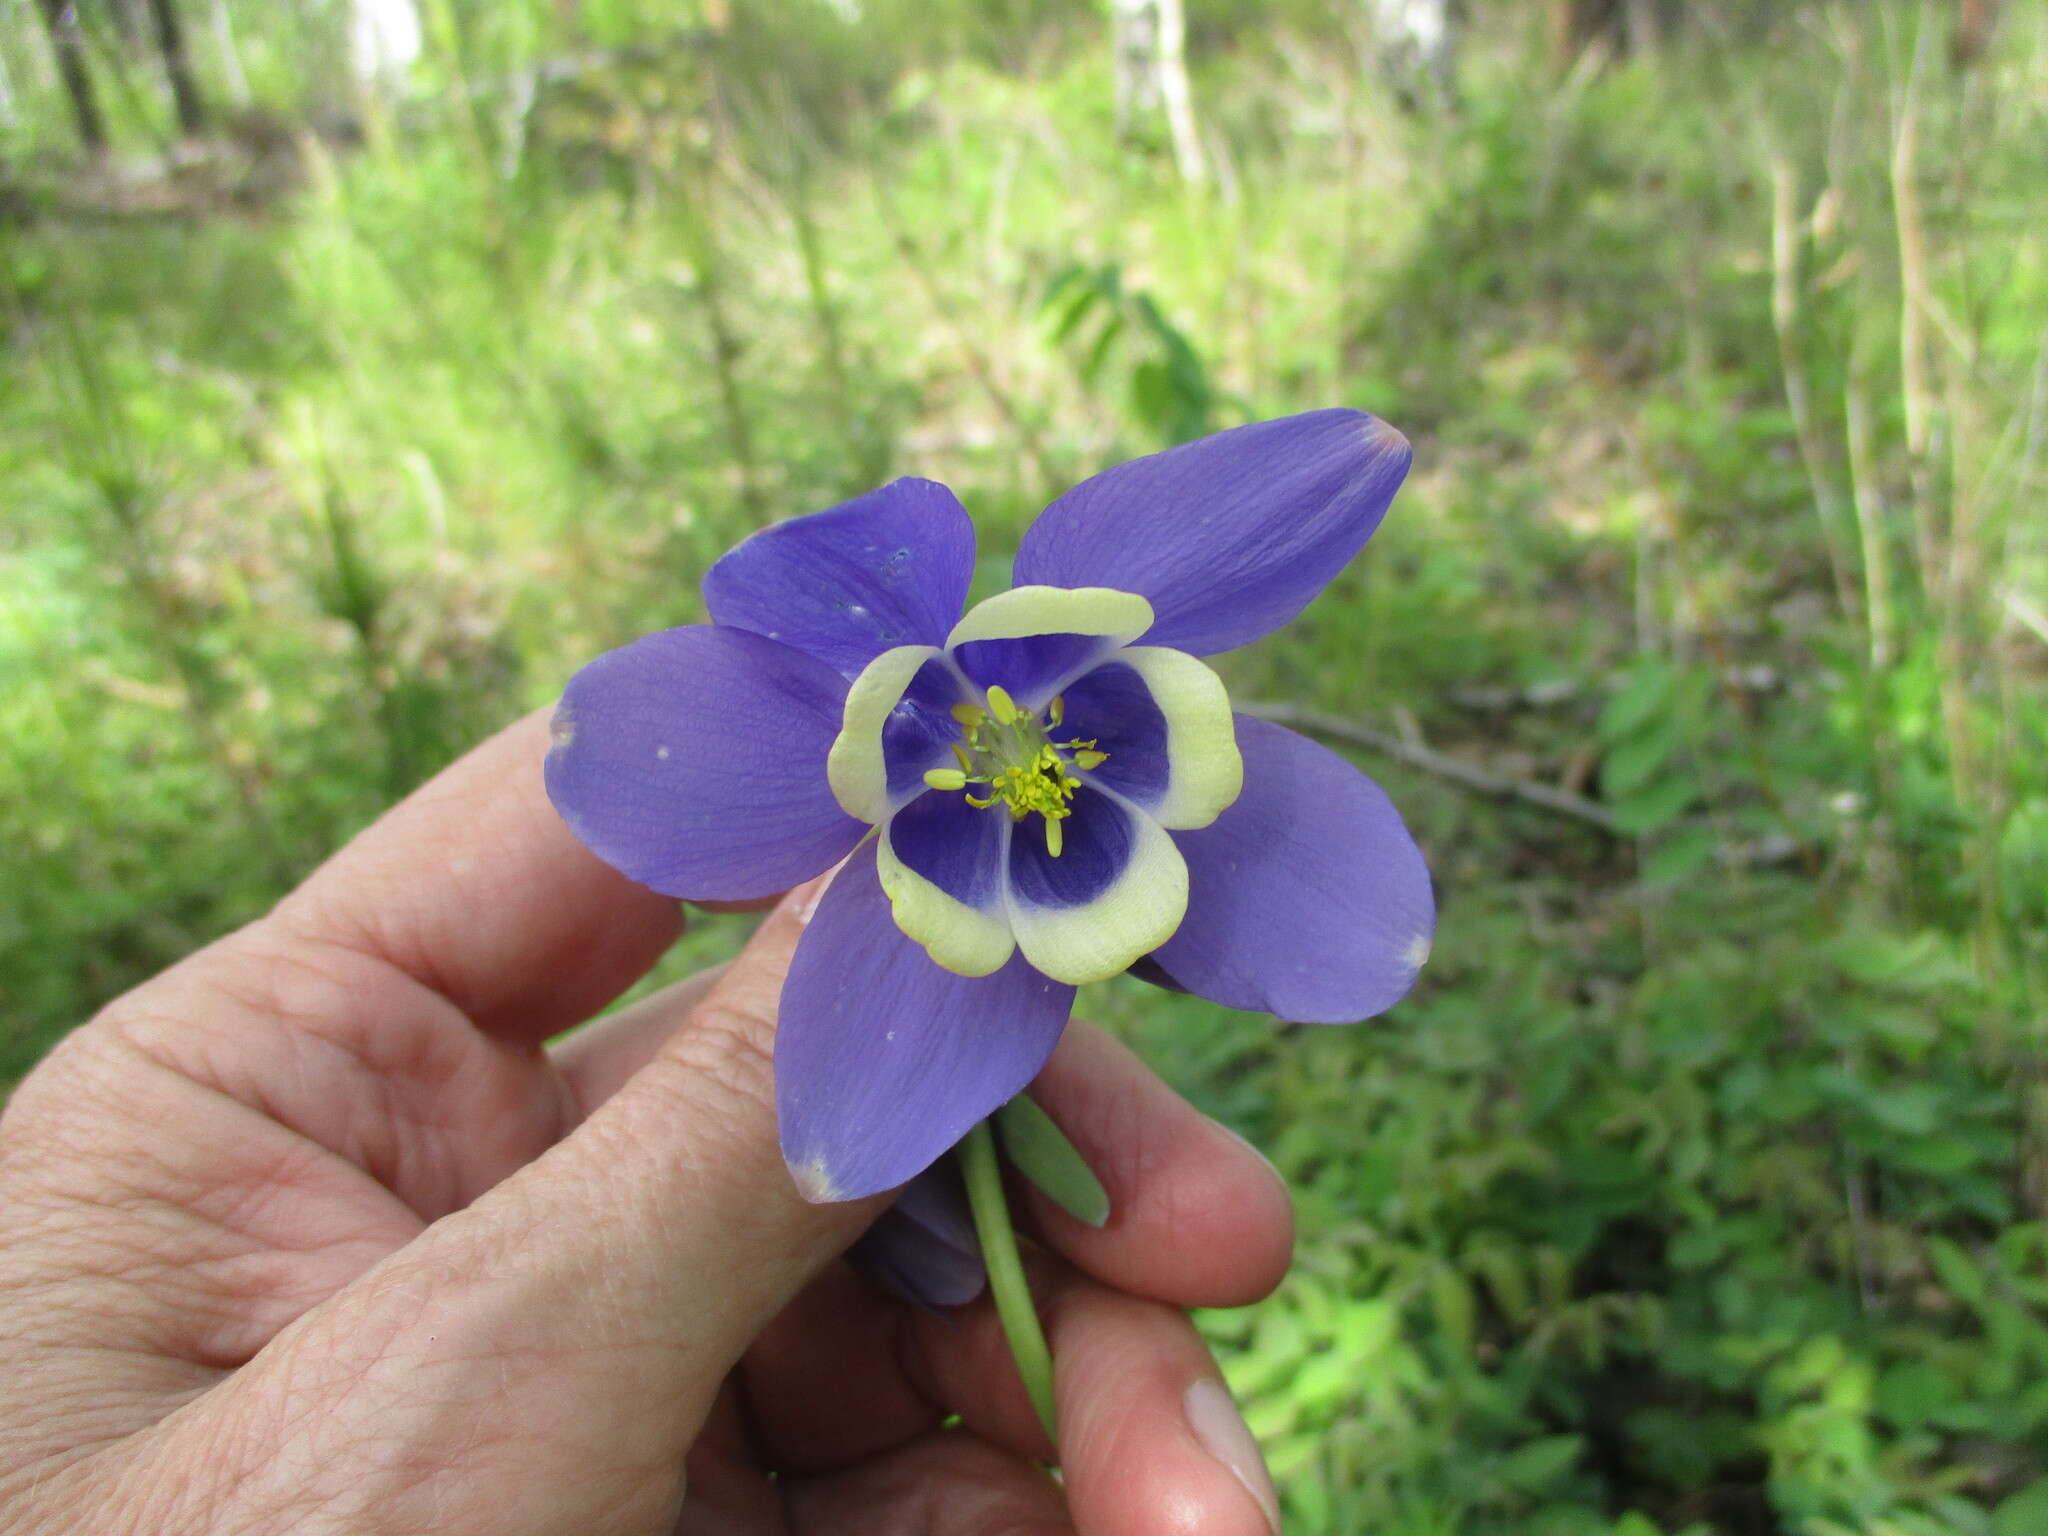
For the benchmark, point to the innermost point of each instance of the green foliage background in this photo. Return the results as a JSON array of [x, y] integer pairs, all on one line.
[[1698, 1187]]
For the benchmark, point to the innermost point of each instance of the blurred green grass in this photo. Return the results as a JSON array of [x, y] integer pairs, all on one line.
[[1697, 1188]]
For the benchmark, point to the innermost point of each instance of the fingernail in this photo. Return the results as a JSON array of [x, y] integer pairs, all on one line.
[[1221, 1429], [804, 905]]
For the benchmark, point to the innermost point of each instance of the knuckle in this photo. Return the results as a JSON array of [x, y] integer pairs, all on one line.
[[724, 1052], [706, 1100]]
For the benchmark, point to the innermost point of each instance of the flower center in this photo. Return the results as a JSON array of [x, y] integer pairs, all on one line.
[[1008, 755]]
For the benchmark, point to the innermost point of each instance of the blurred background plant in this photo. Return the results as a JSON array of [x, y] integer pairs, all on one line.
[[372, 363]]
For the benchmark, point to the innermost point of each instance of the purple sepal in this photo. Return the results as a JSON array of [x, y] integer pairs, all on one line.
[[1307, 898], [883, 1060], [1148, 969], [888, 568], [923, 1248], [693, 761], [1230, 536]]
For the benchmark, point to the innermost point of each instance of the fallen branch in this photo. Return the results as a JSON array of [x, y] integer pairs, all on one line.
[[1478, 780], [1545, 695]]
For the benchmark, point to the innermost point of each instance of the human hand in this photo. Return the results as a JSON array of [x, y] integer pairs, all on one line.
[[315, 1232]]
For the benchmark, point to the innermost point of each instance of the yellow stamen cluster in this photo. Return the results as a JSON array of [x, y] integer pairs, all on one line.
[[1007, 755]]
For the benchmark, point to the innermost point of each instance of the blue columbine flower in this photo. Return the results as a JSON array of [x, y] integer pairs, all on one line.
[[1057, 786]]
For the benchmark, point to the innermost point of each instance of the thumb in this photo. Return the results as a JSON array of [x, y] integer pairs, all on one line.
[[552, 1350]]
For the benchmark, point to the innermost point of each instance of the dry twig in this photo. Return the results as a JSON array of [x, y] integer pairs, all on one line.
[[1479, 780]]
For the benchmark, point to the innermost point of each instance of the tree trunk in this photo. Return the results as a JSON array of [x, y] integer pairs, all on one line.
[[1148, 39], [67, 41], [1174, 91], [8, 116], [1134, 42], [385, 40], [170, 42], [1413, 41], [1973, 30], [1574, 24], [230, 54]]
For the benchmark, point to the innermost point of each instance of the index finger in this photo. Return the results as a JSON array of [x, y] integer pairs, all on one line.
[[475, 887]]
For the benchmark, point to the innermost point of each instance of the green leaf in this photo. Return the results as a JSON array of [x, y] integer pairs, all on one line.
[[1502, 1266], [1098, 351], [2025, 1513], [1067, 277], [1959, 1274], [1073, 313], [1042, 1153], [1696, 1247], [1641, 698], [1324, 1380], [1682, 854], [1914, 1392], [1632, 763], [1657, 806], [1911, 1109], [1152, 393], [1456, 1312], [1942, 1158], [1535, 1466]]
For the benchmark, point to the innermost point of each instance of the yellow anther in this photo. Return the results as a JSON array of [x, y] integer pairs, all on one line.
[[1005, 753]]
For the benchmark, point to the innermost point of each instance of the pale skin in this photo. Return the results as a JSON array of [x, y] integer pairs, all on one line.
[[316, 1232]]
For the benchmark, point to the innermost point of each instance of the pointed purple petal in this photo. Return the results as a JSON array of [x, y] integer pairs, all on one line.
[[936, 1201], [1229, 536], [909, 1263], [885, 569], [1148, 969], [883, 1060], [1307, 898], [923, 1248], [693, 761]]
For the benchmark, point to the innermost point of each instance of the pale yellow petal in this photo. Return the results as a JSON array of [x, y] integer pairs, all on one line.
[[962, 939], [1024, 611], [856, 769], [1134, 916], [1204, 771]]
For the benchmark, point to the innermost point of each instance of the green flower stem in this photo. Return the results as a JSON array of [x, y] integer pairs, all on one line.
[[1006, 1271]]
